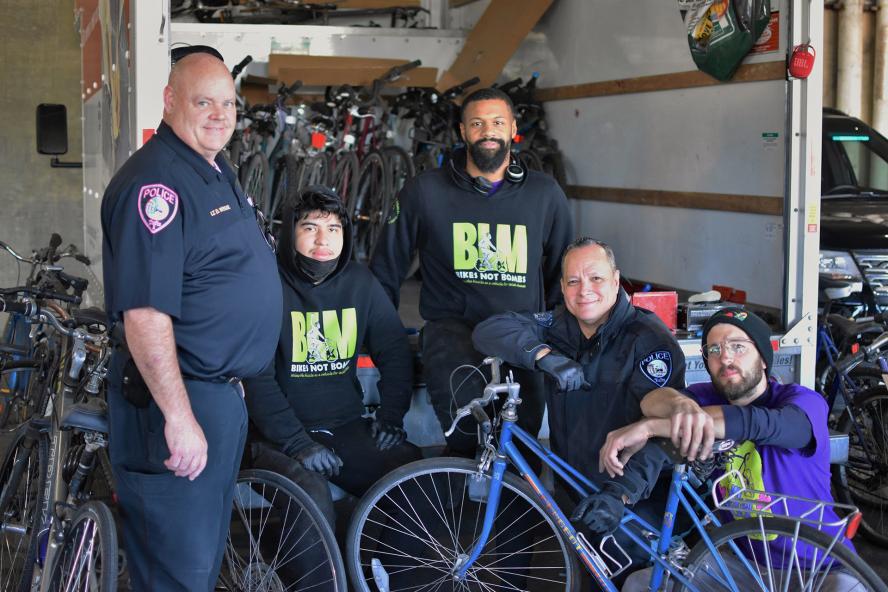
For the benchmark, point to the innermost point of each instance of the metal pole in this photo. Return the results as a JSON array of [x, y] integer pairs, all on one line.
[[880, 70], [830, 16], [849, 93]]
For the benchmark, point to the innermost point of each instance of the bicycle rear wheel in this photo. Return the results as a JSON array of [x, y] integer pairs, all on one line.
[[370, 205], [278, 540], [87, 559], [415, 523], [863, 480], [819, 565], [345, 177], [21, 499], [256, 183], [315, 171]]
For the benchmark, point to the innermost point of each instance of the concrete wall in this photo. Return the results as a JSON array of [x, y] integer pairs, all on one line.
[[40, 51]]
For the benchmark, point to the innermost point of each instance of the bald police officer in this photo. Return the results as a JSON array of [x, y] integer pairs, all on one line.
[[191, 277]]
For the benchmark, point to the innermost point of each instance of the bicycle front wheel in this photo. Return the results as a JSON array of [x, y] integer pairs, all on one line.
[[21, 507], [416, 523], [863, 480], [87, 559], [278, 540], [796, 558]]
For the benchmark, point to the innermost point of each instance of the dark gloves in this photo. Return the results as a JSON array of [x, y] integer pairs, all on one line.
[[387, 434], [567, 373], [601, 511], [320, 459]]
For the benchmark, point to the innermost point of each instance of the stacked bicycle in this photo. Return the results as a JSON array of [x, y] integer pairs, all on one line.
[[58, 532], [852, 374]]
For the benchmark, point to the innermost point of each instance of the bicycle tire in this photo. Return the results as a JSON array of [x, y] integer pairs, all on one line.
[[344, 179], [87, 559], [258, 496], [315, 171], [255, 181], [369, 209], [859, 481], [22, 475], [543, 558], [741, 532], [288, 172], [400, 167]]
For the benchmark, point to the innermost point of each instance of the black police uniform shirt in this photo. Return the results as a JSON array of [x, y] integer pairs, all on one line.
[[479, 254], [631, 354], [313, 381], [181, 237]]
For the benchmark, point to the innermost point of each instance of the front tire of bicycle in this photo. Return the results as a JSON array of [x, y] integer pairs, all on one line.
[[278, 539], [22, 475], [415, 523], [863, 480], [87, 559], [764, 567]]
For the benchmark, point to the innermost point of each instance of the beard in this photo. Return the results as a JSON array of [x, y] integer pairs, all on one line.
[[488, 160], [737, 391]]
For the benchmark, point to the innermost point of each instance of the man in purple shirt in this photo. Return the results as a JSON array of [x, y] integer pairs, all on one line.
[[781, 429]]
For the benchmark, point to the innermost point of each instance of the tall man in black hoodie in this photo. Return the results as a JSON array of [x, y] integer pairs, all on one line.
[[490, 236], [308, 404]]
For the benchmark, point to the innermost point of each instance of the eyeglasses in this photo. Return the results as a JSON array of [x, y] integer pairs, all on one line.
[[265, 228], [737, 348]]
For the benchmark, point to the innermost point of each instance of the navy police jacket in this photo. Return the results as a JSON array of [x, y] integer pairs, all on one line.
[[630, 355]]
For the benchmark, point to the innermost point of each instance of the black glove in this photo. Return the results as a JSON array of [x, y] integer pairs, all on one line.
[[387, 434], [601, 511], [320, 459], [567, 373]]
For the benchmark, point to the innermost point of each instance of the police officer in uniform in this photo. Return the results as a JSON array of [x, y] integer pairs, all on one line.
[[602, 356], [191, 277]]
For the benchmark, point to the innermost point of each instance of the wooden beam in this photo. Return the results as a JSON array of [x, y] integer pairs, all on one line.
[[677, 80], [335, 70], [747, 204], [377, 3], [496, 36]]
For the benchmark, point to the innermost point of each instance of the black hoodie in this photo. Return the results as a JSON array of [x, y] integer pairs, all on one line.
[[312, 381], [479, 254]]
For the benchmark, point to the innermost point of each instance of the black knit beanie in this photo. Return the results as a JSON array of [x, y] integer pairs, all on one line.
[[749, 323]]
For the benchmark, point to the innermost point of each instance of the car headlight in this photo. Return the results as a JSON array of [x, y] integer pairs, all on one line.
[[839, 265]]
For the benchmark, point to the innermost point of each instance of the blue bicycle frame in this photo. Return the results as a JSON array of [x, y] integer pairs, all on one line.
[[680, 492]]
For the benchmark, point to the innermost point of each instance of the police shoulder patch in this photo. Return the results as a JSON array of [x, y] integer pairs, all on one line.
[[158, 206], [657, 367], [544, 319]]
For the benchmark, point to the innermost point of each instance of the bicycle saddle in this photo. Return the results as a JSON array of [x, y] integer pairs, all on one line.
[[91, 416]]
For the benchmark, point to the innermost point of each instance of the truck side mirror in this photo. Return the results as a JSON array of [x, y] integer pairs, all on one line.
[[52, 129], [52, 133]]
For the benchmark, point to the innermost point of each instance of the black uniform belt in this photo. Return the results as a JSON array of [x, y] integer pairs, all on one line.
[[214, 379]]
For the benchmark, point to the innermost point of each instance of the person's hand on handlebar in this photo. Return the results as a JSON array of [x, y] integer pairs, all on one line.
[[567, 373]]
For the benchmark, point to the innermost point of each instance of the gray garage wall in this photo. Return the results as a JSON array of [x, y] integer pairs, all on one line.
[[39, 63]]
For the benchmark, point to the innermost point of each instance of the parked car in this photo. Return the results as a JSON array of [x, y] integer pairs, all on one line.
[[854, 214]]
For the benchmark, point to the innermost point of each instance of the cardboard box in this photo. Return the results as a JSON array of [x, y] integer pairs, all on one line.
[[664, 304]]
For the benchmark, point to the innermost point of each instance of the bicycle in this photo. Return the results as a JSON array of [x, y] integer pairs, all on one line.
[[469, 525], [278, 539], [853, 378], [56, 534]]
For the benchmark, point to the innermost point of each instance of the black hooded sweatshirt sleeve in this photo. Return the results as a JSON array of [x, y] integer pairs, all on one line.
[[271, 413], [479, 254]]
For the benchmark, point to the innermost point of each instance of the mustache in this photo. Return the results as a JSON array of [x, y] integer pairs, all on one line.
[[500, 141]]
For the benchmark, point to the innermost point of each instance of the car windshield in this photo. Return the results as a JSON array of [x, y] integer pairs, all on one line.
[[868, 169]]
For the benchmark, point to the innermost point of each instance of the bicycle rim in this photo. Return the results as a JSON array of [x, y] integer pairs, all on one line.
[[255, 182], [369, 211], [415, 524], [278, 540], [821, 565], [21, 480], [863, 480], [87, 559]]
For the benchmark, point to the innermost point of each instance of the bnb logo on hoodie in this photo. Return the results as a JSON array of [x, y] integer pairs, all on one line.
[[323, 342], [479, 259]]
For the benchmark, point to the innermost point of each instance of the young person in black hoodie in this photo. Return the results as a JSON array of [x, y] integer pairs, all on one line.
[[490, 236], [308, 405]]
